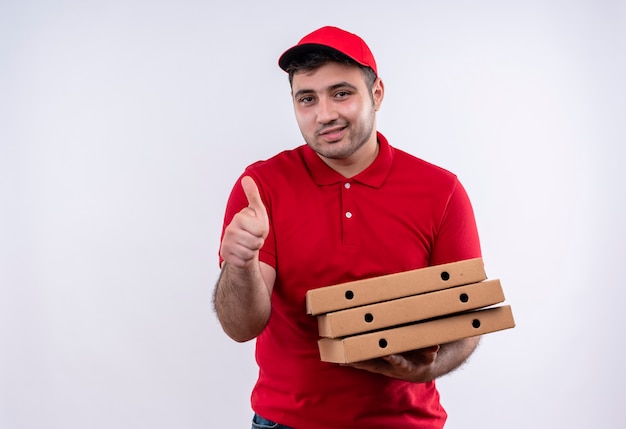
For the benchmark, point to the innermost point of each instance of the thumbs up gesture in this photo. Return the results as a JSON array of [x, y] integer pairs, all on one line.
[[246, 233]]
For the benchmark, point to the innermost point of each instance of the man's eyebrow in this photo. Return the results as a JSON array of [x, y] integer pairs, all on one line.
[[302, 92], [342, 85], [333, 87]]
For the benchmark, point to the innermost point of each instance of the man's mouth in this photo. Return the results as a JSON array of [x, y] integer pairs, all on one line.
[[333, 134]]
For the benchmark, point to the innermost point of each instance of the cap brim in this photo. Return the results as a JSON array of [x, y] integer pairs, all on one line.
[[299, 50]]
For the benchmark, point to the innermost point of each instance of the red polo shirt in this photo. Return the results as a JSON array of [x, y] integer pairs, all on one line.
[[399, 214]]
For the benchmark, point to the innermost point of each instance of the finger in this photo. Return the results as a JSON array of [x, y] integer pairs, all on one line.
[[252, 194], [394, 359], [372, 365], [431, 349], [256, 207], [429, 354]]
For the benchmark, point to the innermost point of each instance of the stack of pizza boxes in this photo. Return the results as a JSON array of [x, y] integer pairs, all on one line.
[[396, 313]]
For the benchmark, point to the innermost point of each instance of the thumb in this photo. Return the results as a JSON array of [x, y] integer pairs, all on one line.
[[253, 196]]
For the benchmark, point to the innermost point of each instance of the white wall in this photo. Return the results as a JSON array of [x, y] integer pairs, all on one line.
[[123, 125]]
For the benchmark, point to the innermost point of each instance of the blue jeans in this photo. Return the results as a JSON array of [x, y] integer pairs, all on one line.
[[259, 422]]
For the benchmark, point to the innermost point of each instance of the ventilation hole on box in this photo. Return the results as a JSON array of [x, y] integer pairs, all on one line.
[[476, 323], [464, 297], [369, 317], [445, 276], [382, 343], [349, 294]]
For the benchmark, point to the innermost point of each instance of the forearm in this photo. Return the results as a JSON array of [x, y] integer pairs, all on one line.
[[242, 302], [452, 355]]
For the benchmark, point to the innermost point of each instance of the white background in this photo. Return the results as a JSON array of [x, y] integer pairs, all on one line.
[[123, 125]]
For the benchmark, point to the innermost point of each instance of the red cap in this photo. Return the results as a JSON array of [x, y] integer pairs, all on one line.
[[331, 39]]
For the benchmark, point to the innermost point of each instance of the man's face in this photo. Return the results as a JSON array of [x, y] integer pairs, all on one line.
[[335, 111]]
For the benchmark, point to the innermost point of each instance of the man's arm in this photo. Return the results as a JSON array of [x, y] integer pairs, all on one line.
[[242, 300], [422, 365], [242, 297]]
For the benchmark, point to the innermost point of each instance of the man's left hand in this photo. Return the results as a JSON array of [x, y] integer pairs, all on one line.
[[415, 366]]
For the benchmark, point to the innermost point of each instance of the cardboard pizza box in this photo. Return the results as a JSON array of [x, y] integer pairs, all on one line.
[[392, 286], [410, 309], [415, 336]]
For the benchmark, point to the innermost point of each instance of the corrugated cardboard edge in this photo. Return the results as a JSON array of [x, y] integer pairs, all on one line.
[[416, 336], [392, 286], [410, 309]]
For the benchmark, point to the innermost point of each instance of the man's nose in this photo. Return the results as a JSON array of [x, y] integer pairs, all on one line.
[[326, 111]]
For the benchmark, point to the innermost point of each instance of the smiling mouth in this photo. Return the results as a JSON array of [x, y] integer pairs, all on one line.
[[333, 134]]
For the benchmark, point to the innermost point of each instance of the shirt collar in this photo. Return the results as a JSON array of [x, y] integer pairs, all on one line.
[[374, 175]]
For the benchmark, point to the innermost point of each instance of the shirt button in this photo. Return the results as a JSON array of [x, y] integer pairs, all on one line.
[[347, 185], [348, 215]]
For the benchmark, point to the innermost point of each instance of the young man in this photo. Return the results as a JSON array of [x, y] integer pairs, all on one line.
[[344, 206]]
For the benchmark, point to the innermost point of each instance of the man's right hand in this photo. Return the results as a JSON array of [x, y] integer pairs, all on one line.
[[246, 233]]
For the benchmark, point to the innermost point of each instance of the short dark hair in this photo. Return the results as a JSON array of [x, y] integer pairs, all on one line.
[[312, 60]]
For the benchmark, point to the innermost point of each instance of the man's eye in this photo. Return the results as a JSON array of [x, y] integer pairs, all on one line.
[[306, 100], [342, 94]]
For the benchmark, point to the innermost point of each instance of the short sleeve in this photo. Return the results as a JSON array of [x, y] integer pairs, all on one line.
[[457, 236]]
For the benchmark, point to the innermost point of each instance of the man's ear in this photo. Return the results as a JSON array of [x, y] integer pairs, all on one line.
[[378, 93]]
